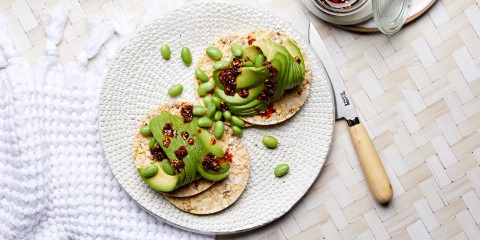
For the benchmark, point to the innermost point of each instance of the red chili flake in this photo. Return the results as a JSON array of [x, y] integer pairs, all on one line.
[[199, 130], [166, 142], [191, 141], [243, 93], [181, 152], [227, 157], [213, 141], [250, 39], [185, 135], [187, 112], [268, 112]]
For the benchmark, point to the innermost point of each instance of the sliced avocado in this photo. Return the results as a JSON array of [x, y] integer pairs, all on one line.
[[156, 126], [206, 139], [251, 77], [162, 181], [280, 61], [294, 51], [215, 74], [248, 109], [270, 48], [236, 100], [294, 76], [251, 52], [214, 175]]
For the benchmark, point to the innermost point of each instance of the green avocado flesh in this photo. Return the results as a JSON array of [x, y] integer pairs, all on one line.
[[251, 77], [251, 52], [156, 126], [214, 175], [206, 141], [286, 59], [236, 100], [162, 181], [195, 153]]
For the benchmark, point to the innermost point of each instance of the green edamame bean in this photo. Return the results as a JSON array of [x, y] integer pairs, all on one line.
[[167, 167], [205, 122], [211, 110], [259, 60], [149, 171], [216, 101], [175, 90], [247, 64], [145, 131], [218, 129], [222, 64], [204, 88], [214, 53], [237, 131], [270, 141], [186, 55], [236, 121], [165, 51], [227, 115], [237, 51], [201, 75], [152, 143], [218, 116], [281, 169], [199, 111], [207, 100]]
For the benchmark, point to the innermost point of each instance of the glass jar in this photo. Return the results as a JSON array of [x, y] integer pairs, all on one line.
[[390, 15]]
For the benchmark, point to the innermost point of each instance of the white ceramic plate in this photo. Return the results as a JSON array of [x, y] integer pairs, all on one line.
[[138, 81]]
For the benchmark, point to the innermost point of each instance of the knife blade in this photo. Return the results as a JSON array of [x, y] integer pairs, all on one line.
[[370, 162]]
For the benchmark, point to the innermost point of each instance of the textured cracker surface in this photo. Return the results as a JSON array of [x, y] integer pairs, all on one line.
[[291, 101], [224, 193]]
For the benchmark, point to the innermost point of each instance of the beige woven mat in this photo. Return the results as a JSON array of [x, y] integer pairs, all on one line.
[[418, 93]]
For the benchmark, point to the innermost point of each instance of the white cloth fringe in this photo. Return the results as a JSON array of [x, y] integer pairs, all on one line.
[[55, 182]]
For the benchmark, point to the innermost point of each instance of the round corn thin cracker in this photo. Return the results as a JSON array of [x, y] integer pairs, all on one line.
[[292, 99], [143, 157], [224, 193]]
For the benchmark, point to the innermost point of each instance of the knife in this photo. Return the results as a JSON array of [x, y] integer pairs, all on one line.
[[370, 162]]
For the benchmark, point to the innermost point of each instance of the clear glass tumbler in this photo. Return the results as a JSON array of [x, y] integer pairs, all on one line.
[[390, 15]]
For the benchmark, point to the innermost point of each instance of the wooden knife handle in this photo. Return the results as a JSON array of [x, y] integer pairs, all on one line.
[[372, 166]]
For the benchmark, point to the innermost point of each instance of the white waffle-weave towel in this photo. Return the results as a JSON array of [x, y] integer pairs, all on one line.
[[55, 182]]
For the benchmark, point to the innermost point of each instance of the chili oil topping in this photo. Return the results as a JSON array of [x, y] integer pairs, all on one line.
[[228, 76], [157, 152], [168, 130], [187, 113]]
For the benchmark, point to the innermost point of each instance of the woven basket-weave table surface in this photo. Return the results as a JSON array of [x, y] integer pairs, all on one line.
[[417, 93]]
